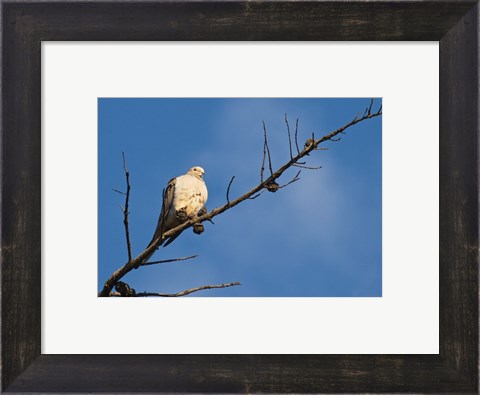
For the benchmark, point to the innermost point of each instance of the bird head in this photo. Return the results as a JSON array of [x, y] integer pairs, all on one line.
[[197, 171]]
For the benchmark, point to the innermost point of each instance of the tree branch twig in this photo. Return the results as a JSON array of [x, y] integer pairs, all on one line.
[[289, 137], [127, 291], [268, 149], [188, 291], [294, 179], [307, 167], [125, 208], [228, 188], [296, 137], [169, 260]]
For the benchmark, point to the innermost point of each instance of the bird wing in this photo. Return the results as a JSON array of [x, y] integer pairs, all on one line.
[[168, 197]]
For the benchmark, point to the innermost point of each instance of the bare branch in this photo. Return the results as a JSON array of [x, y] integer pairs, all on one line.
[[289, 137], [228, 189], [169, 260], [294, 179], [268, 149], [120, 192], [370, 107], [125, 209], [257, 195], [188, 291], [262, 169], [307, 167], [252, 194], [296, 137]]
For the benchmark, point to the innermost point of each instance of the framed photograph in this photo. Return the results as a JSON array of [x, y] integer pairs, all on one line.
[[319, 199]]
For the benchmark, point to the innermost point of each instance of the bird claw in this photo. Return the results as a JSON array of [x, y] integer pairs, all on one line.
[[182, 215], [198, 228]]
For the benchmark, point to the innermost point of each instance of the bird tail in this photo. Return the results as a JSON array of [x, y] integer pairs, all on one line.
[[164, 243], [169, 240], [155, 236]]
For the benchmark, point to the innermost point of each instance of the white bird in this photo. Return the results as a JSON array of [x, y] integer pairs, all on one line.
[[183, 199]]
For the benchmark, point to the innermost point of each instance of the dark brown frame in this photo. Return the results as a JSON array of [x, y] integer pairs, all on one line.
[[25, 24]]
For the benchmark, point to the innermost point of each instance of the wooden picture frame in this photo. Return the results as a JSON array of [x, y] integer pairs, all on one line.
[[26, 24]]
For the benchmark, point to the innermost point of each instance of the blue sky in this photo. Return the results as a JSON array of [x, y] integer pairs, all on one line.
[[319, 237]]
